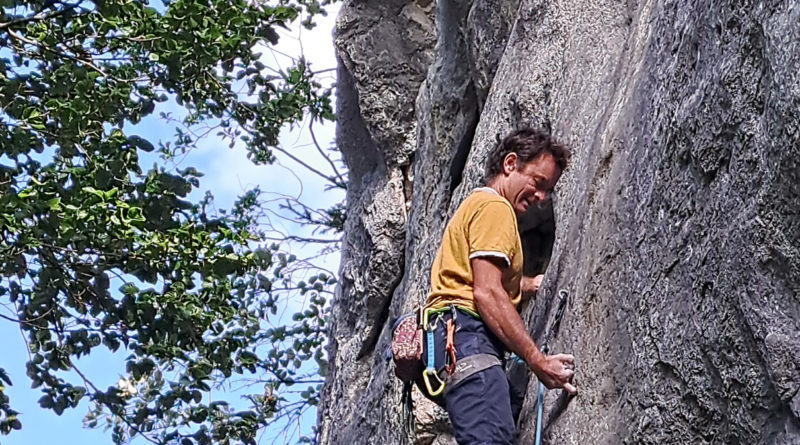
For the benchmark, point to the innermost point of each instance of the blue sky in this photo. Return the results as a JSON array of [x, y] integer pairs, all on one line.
[[228, 174]]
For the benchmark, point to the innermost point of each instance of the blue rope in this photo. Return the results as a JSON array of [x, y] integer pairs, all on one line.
[[539, 400], [563, 295], [539, 405]]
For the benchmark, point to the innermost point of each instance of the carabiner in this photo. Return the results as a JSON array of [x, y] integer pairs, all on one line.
[[426, 315], [426, 379]]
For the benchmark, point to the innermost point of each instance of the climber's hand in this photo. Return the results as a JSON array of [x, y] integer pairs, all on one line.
[[530, 285], [556, 371]]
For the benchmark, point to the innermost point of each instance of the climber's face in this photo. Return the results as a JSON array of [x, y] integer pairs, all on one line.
[[529, 183]]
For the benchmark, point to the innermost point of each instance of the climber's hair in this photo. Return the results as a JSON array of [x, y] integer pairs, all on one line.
[[527, 143]]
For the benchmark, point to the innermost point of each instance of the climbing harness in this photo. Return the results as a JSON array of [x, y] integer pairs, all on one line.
[[408, 332], [407, 352], [470, 365], [430, 319], [562, 304], [454, 370]]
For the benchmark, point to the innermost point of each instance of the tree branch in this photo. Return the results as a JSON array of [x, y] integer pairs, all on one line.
[[89, 383], [304, 239], [40, 16], [310, 168], [88, 63], [342, 182]]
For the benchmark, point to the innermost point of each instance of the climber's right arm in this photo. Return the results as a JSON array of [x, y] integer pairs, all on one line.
[[501, 317]]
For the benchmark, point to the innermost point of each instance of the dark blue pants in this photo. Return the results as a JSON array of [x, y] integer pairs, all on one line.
[[480, 406]]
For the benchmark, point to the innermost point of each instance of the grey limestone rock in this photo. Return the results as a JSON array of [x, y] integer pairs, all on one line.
[[675, 231], [384, 49]]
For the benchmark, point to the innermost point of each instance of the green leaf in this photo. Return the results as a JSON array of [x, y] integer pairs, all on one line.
[[27, 193], [140, 143], [129, 289], [4, 377]]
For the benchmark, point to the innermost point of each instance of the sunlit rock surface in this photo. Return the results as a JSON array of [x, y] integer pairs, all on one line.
[[676, 228]]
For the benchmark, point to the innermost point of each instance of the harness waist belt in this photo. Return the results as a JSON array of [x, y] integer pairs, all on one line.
[[468, 366]]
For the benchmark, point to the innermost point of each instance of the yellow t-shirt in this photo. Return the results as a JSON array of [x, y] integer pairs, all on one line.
[[483, 226]]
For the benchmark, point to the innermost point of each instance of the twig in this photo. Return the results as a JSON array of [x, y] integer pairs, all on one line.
[[29, 321], [88, 63], [310, 168], [342, 182], [127, 422], [304, 239], [38, 16], [24, 340], [326, 70]]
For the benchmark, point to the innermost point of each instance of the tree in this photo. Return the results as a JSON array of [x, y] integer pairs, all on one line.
[[77, 212]]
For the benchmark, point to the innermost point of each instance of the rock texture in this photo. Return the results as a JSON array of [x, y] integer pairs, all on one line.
[[384, 49], [676, 229]]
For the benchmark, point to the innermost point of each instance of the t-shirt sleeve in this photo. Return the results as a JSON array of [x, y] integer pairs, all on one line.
[[492, 232]]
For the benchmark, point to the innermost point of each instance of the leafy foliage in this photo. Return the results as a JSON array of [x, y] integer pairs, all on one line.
[[8, 417], [95, 252]]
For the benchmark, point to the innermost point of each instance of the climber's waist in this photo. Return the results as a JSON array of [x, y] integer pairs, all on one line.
[[444, 302], [471, 337]]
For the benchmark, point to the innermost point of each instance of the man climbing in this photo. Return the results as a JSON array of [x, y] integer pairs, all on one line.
[[477, 283]]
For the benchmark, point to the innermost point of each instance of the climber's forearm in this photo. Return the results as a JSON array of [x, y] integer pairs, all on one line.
[[499, 315]]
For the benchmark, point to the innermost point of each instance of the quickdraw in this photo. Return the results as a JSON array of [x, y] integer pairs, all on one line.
[[430, 369], [449, 346], [429, 325]]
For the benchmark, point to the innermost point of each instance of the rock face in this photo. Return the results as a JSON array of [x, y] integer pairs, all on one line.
[[676, 229]]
